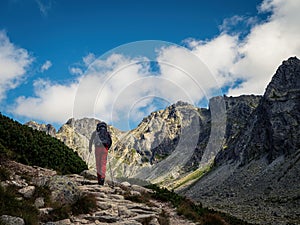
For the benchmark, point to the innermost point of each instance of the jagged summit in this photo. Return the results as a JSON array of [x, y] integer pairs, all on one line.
[[257, 175], [286, 79], [275, 119], [47, 128]]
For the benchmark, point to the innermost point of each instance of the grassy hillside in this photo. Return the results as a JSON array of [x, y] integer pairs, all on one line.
[[25, 145]]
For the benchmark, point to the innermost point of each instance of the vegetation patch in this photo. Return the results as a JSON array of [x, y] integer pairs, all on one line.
[[4, 174], [193, 176], [192, 211], [10, 205], [31, 147]]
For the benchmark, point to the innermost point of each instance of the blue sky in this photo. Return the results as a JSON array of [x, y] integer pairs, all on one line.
[[48, 49]]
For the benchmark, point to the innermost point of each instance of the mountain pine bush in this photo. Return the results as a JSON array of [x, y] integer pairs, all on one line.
[[31, 147]]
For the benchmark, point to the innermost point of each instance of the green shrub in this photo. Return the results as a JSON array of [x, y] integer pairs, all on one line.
[[4, 174], [213, 219], [31, 147]]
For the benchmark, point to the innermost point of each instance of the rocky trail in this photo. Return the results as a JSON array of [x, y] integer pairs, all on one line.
[[113, 208], [112, 204]]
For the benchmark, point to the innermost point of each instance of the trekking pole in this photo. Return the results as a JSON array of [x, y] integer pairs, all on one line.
[[88, 160], [111, 175]]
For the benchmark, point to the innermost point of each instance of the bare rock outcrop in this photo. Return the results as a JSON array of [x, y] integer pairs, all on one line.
[[257, 176]]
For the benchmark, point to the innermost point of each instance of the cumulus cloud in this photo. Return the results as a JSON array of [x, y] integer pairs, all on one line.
[[89, 58], [44, 6], [254, 58], [120, 88], [46, 66], [14, 62], [89, 95], [75, 71], [52, 102]]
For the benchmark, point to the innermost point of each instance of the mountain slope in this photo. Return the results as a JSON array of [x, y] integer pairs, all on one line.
[[169, 145], [31, 147], [257, 176]]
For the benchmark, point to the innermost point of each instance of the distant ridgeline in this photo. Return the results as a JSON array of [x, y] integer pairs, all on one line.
[[25, 145]]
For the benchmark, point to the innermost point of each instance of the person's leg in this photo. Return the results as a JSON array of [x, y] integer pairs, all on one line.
[[103, 161], [98, 163]]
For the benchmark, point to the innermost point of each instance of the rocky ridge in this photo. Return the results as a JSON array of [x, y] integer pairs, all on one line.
[[168, 145], [257, 177]]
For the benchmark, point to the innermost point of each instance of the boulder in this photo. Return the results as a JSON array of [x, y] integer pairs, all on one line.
[[63, 190], [10, 220]]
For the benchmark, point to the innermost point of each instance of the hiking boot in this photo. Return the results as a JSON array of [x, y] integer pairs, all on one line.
[[101, 181]]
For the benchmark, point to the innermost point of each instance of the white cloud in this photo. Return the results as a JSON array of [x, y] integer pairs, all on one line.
[[52, 103], [119, 87], [254, 59], [44, 6], [46, 66], [75, 71], [219, 55], [13, 64], [93, 93], [89, 58]]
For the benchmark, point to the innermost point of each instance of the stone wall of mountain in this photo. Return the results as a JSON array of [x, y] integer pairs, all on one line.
[[257, 176], [168, 144]]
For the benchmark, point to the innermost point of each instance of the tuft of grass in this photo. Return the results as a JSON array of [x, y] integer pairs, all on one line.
[[58, 213], [197, 174], [164, 218], [10, 205], [85, 204], [4, 174], [144, 198], [213, 219]]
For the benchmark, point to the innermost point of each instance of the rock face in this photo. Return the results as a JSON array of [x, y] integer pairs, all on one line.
[[167, 145], [48, 129], [257, 176]]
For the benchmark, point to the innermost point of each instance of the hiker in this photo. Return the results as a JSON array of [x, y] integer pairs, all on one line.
[[102, 141]]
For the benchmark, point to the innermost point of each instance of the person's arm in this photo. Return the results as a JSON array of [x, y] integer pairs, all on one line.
[[91, 141]]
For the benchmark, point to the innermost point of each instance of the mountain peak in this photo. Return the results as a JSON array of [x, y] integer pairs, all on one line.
[[286, 79]]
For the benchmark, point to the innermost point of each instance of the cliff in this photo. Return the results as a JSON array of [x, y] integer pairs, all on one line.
[[257, 176]]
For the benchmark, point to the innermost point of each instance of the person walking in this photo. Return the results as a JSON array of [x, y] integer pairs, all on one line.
[[102, 140]]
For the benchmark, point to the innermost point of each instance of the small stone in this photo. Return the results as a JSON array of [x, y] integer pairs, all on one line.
[[154, 221], [126, 184], [118, 197], [135, 193], [141, 218], [39, 202], [27, 192], [10, 220], [104, 205], [63, 222], [124, 212], [45, 211]]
